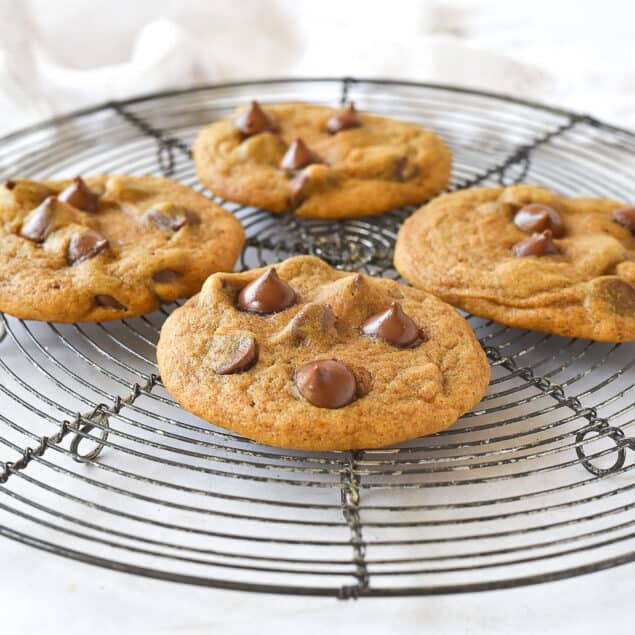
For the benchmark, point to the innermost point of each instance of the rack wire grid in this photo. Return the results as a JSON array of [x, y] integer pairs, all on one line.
[[100, 465]]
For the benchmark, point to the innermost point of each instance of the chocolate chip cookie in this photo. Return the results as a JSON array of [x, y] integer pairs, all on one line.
[[320, 162], [300, 355], [107, 247], [528, 258]]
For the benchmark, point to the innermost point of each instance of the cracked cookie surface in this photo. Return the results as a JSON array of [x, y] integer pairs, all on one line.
[[338, 360], [109, 247], [320, 162], [527, 257]]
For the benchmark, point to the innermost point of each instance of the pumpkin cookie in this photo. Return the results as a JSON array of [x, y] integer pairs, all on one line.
[[320, 162], [107, 248], [300, 355], [528, 258]]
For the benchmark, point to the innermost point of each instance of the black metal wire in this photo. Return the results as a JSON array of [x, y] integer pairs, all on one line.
[[98, 464]]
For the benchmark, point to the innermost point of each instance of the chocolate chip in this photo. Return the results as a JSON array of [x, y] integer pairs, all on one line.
[[10, 184], [400, 164], [393, 326], [298, 189], [312, 322], [536, 245], [255, 120], [298, 156], [358, 281], [80, 196], [192, 217], [166, 222], [165, 275], [241, 355], [619, 294], [37, 224], [403, 170], [328, 318], [326, 383], [363, 381], [84, 246], [266, 294], [344, 120], [536, 218], [109, 301], [626, 217], [171, 216], [313, 316]]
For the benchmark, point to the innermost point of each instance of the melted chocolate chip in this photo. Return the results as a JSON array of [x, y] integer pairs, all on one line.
[[172, 217], [192, 217], [165, 275], [109, 301], [298, 190], [326, 383], [37, 224], [619, 294], [298, 156], [315, 316], [403, 169], [400, 166], [536, 218], [84, 246], [393, 326], [313, 320], [266, 294], [364, 381], [10, 184], [80, 196], [625, 217], [344, 120], [314, 323], [358, 281], [536, 245], [328, 318], [241, 356], [255, 120]]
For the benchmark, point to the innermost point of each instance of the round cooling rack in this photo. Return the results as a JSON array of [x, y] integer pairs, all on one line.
[[97, 463]]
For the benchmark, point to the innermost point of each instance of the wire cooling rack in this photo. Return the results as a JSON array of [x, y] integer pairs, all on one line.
[[97, 463]]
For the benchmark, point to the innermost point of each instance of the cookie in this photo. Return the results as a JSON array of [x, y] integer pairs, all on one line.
[[527, 258], [320, 162], [300, 355], [109, 247]]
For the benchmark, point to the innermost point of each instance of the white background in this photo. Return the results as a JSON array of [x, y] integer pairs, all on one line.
[[60, 56]]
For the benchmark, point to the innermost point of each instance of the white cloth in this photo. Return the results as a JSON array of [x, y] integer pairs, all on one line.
[[61, 56]]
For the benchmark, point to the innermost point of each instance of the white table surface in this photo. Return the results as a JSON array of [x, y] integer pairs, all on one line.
[[571, 54], [64, 597]]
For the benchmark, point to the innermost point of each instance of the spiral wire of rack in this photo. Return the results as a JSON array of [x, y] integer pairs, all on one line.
[[98, 464]]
